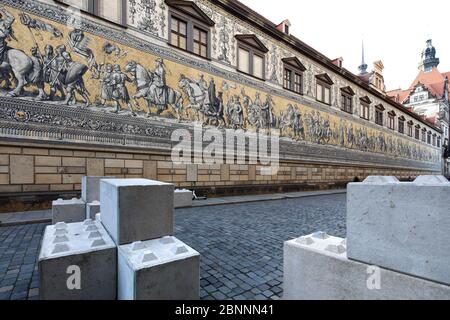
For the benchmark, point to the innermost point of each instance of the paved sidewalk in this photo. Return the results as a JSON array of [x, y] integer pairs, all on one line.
[[45, 216], [264, 197], [19, 218], [241, 245]]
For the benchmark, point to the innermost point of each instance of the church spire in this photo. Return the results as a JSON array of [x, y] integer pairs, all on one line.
[[363, 67]]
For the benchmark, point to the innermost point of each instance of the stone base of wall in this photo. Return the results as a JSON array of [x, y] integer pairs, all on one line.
[[33, 175]]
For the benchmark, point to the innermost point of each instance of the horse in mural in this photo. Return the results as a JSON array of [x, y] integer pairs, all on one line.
[[198, 97], [146, 89], [18, 65], [260, 115]]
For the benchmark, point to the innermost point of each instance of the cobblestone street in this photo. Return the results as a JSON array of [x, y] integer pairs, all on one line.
[[241, 245]]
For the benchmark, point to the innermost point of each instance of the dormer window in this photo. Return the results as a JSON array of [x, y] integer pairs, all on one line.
[[323, 88], [347, 99], [293, 75], [189, 28], [251, 56]]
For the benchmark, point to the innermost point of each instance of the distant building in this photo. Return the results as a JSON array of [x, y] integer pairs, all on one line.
[[374, 78], [428, 94]]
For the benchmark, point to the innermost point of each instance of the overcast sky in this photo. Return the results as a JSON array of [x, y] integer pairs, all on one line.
[[394, 31]]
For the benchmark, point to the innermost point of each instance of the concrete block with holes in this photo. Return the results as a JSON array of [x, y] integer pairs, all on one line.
[[160, 269], [136, 209], [68, 211], [92, 209], [316, 267], [183, 198], [77, 261], [402, 226], [90, 188]]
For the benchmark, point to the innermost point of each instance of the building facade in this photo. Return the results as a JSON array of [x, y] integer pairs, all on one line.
[[99, 91], [428, 97]]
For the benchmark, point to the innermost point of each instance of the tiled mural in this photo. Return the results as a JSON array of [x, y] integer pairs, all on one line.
[[60, 64]]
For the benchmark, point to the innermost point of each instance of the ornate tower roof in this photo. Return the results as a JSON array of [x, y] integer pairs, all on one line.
[[363, 67], [429, 60]]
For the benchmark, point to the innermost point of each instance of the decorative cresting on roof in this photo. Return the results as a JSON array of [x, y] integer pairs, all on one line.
[[325, 78], [252, 41], [295, 63], [191, 9]]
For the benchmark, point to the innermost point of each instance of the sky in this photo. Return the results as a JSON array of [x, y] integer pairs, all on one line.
[[394, 31]]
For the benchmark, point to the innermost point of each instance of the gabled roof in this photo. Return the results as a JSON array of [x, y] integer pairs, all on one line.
[[252, 41], [433, 82], [191, 9], [348, 90], [366, 99], [325, 78], [294, 62]]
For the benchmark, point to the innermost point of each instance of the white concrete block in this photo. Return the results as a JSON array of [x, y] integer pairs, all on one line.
[[77, 261], [160, 269], [317, 268], [92, 209], [401, 226], [68, 211], [183, 198], [136, 209], [90, 188]]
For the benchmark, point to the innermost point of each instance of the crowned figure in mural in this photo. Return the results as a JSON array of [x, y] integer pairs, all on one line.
[[268, 119], [159, 86], [235, 113], [214, 108]]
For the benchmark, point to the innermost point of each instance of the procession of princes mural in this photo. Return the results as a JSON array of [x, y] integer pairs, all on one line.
[[56, 72]]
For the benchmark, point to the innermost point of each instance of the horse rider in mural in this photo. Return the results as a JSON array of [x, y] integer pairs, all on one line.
[[6, 31], [120, 92]]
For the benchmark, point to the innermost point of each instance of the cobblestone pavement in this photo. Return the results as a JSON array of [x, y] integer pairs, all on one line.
[[241, 246]]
